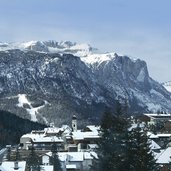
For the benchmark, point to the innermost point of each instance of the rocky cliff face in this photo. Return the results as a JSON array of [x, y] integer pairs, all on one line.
[[51, 81], [129, 79]]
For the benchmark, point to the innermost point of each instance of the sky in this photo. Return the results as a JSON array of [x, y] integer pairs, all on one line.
[[137, 28]]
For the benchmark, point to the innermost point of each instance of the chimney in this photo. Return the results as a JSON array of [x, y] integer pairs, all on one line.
[[16, 165]]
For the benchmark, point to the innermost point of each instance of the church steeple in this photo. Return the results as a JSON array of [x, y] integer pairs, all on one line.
[[74, 123]]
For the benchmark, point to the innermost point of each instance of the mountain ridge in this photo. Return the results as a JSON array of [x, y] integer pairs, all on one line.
[[75, 81]]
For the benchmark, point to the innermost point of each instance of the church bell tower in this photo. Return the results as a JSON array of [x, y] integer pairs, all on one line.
[[74, 123]]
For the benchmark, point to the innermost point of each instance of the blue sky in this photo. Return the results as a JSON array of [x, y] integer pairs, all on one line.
[[138, 28]]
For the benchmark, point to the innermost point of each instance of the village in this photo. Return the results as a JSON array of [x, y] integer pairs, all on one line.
[[76, 148]]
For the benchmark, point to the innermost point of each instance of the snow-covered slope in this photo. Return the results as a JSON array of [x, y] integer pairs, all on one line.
[[73, 79], [24, 103], [167, 85]]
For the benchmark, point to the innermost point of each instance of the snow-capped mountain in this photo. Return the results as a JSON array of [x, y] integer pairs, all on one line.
[[51, 47], [51, 81]]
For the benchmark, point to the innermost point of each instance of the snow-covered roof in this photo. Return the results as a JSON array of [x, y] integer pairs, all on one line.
[[46, 168], [9, 166], [79, 135], [71, 166], [67, 129], [154, 145], [31, 135], [164, 135], [53, 130], [75, 156], [156, 154], [93, 128], [92, 146], [36, 138], [47, 139], [165, 156], [156, 115], [151, 135], [90, 155]]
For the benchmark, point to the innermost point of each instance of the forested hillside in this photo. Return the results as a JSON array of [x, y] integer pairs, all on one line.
[[13, 127]]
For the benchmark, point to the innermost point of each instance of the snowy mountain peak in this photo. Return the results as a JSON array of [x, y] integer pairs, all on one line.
[[51, 46], [87, 53]]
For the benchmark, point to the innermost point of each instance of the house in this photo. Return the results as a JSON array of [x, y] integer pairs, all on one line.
[[75, 161], [45, 138], [155, 118], [85, 137], [41, 141], [13, 166]]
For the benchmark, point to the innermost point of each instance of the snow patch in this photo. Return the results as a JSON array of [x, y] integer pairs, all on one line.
[[168, 88], [22, 100], [98, 58], [33, 112], [141, 75]]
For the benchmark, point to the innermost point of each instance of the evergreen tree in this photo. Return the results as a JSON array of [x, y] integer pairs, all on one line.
[[54, 159], [33, 161], [112, 146], [107, 120], [139, 154]]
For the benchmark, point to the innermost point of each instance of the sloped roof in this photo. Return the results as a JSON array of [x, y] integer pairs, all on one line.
[[154, 145], [79, 135], [165, 156]]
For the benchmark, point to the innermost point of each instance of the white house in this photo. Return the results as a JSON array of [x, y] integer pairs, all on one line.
[[13, 166], [79, 161]]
